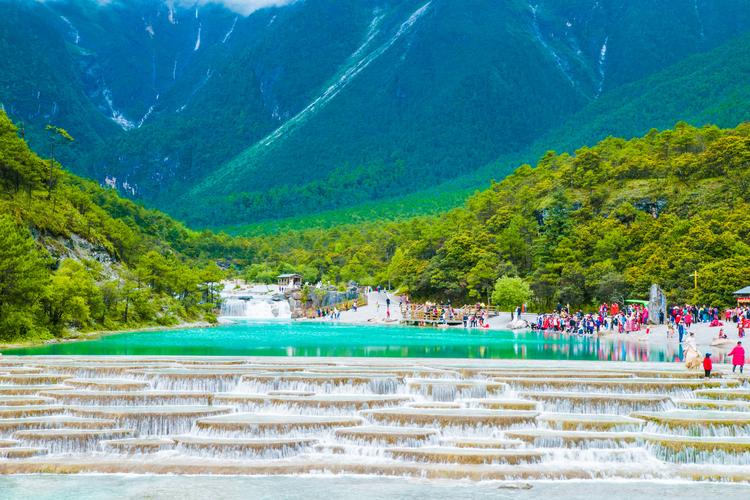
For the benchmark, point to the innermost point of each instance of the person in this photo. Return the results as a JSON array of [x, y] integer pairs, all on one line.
[[722, 335], [738, 356], [354, 306], [707, 364], [661, 317], [680, 329]]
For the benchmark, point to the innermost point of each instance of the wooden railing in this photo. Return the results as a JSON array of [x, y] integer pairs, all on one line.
[[430, 313]]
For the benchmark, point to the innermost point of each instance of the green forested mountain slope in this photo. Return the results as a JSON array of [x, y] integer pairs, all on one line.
[[74, 255], [597, 226], [441, 108], [705, 88], [360, 101], [602, 224]]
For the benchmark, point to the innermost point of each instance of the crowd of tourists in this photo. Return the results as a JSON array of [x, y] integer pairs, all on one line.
[[610, 317], [631, 318], [683, 317]]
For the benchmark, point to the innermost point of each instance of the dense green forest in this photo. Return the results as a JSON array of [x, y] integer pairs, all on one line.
[[602, 224], [76, 256]]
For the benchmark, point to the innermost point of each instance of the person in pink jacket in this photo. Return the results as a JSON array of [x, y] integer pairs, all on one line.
[[738, 356]]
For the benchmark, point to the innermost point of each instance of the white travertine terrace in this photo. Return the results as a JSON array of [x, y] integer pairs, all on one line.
[[433, 418]]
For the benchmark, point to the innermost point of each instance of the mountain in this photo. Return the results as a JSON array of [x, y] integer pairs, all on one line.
[[224, 117], [600, 225], [75, 256]]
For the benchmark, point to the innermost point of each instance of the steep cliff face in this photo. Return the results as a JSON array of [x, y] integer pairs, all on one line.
[[219, 115]]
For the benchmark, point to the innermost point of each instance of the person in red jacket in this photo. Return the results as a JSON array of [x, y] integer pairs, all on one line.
[[707, 364], [738, 356]]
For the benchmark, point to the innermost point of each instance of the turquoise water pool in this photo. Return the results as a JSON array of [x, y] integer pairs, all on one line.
[[333, 339]]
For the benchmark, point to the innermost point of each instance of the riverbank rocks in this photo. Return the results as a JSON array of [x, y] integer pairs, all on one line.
[[428, 418]]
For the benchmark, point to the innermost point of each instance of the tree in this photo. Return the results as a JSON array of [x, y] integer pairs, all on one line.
[[210, 277], [55, 134], [72, 297], [511, 292], [23, 277], [612, 288]]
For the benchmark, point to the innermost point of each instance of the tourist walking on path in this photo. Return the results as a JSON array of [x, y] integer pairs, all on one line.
[[738, 356], [707, 364]]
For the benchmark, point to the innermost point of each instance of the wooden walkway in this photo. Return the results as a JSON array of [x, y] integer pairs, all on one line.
[[423, 315]]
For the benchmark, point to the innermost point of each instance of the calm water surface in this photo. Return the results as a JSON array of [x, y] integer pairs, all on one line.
[[82, 487], [327, 339]]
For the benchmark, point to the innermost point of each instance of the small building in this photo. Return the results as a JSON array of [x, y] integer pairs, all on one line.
[[743, 296], [289, 281]]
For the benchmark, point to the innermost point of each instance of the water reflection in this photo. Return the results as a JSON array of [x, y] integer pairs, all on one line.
[[324, 339]]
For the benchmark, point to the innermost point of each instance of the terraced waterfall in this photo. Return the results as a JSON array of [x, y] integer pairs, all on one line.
[[432, 418]]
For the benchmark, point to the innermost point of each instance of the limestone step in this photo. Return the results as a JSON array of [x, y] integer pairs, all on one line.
[[504, 404], [466, 455], [698, 418], [9, 401], [545, 374], [69, 440], [21, 452], [181, 379], [450, 389], [138, 445], [557, 438], [615, 384], [740, 394], [192, 373], [677, 374], [402, 372], [383, 434], [33, 378], [152, 420], [30, 411], [255, 423], [452, 417], [584, 421], [291, 393], [480, 442], [434, 404], [26, 390], [110, 398], [7, 443], [590, 401], [712, 404], [244, 448], [19, 370], [10, 425], [355, 378], [340, 401], [730, 444], [109, 369], [399, 469], [108, 384], [214, 362]]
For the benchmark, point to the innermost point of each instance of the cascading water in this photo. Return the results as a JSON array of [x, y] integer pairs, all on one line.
[[255, 308], [201, 415]]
